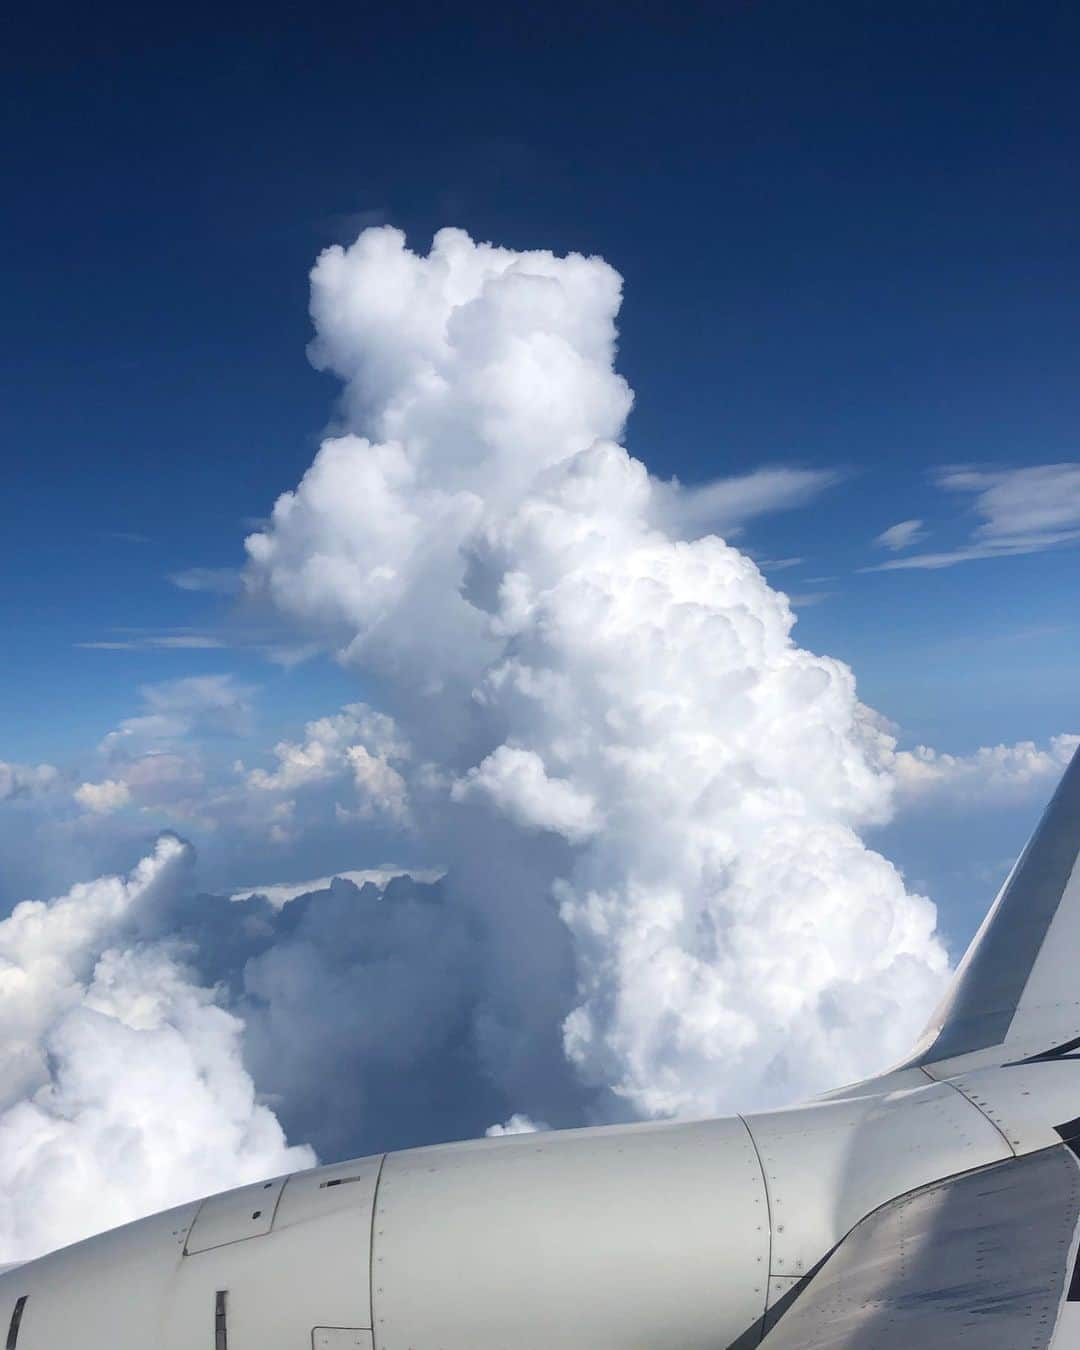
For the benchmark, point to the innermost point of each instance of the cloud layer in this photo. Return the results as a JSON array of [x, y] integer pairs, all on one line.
[[990, 775], [123, 1085]]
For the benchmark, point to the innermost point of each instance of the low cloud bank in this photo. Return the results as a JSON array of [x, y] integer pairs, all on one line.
[[993, 775], [123, 1087]]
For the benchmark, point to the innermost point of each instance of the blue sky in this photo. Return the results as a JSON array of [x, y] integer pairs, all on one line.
[[615, 846], [848, 243]]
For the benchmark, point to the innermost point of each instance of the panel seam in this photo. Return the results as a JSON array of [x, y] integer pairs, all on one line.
[[768, 1221], [371, 1250], [1005, 1138]]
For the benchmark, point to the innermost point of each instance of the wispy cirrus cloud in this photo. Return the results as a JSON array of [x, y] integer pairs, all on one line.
[[175, 640], [1021, 511], [904, 534], [214, 580], [725, 505], [127, 536], [178, 710]]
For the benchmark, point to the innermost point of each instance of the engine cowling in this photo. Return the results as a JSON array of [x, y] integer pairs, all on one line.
[[634, 1237]]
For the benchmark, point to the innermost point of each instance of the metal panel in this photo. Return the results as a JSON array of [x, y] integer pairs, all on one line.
[[829, 1164], [344, 1187], [340, 1338], [136, 1287], [311, 1270], [235, 1216], [898, 1080], [628, 1239], [782, 1287], [105, 1292], [1026, 1101], [976, 1263]]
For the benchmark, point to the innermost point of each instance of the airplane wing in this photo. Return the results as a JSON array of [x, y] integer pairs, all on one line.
[[988, 1259]]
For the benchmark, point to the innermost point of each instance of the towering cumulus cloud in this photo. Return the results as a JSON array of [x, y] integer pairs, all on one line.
[[122, 1089], [647, 793]]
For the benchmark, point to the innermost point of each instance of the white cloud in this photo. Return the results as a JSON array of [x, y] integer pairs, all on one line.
[[216, 580], [516, 1124], [904, 534], [557, 642], [777, 564], [357, 742], [726, 504], [156, 641], [1022, 510], [155, 760], [298, 765], [990, 775], [517, 783], [26, 780], [103, 798], [279, 894], [122, 1089], [379, 786], [1042, 501], [214, 703], [807, 599], [177, 710]]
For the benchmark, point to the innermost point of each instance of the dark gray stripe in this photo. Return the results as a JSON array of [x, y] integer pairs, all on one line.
[[979, 1262], [16, 1322], [221, 1327], [989, 990]]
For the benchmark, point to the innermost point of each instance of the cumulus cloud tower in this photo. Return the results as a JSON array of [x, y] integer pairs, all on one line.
[[571, 656]]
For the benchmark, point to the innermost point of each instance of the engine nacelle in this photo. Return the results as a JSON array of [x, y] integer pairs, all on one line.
[[626, 1238]]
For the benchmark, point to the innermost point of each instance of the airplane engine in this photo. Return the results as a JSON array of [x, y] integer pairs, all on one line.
[[636, 1236]]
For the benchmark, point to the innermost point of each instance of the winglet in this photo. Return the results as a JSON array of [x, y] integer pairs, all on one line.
[[1018, 981]]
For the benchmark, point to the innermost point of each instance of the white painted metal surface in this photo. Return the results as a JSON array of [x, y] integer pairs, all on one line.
[[1050, 1003], [135, 1287], [1026, 1101], [977, 1262], [311, 1270], [111, 1291], [626, 1239], [247, 1212], [829, 1164]]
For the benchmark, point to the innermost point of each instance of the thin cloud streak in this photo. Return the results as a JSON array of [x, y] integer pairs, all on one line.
[[214, 580], [904, 534], [1023, 511], [156, 642]]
